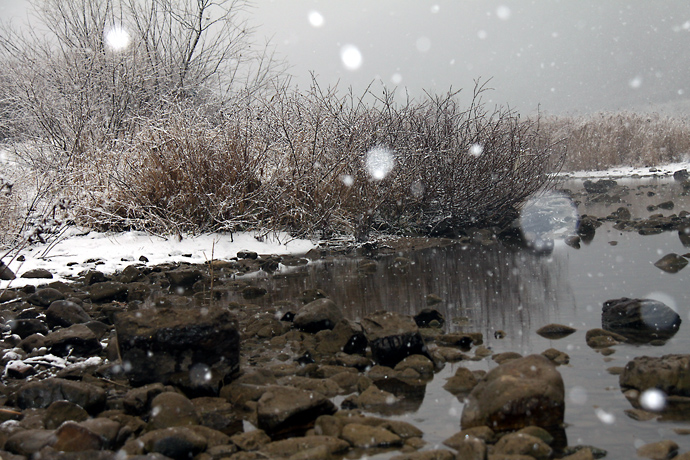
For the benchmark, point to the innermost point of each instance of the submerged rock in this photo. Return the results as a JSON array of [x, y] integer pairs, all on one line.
[[317, 315], [555, 331], [640, 320], [671, 263], [522, 392]]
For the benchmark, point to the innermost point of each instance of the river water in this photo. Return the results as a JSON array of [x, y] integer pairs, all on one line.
[[490, 288]]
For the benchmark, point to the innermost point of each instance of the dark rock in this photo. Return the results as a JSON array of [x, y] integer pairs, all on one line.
[[37, 273], [347, 336], [427, 315], [519, 393], [523, 444], [621, 213], [392, 337], [26, 327], [366, 436], [247, 255], [42, 393], [178, 443], [218, 414], [131, 273], [671, 263], [183, 278], [462, 382], [667, 205], [165, 345], [311, 295], [44, 297], [573, 241], [555, 331], [317, 315], [65, 313], [587, 227], [93, 277], [684, 236], [282, 410], [29, 442], [681, 175], [253, 292], [76, 340], [319, 446], [600, 186], [640, 320], [34, 341], [5, 273], [108, 291], [71, 437], [137, 401]]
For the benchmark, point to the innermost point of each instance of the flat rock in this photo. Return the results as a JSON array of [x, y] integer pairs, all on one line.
[[662, 450], [37, 273], [523, 444], [671, 263], [65, 313], [77, 340], [555, 331], [287, 447], [669, 373], [367, 436], [44, 297], [108, 291]]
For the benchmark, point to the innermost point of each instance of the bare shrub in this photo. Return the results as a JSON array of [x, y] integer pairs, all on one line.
[[606, 140], [298, 162]]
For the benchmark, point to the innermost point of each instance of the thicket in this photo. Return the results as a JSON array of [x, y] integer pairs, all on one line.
[[188, 130]]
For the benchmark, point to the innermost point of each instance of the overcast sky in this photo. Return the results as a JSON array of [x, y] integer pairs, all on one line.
[[566, 56], [562, 56]]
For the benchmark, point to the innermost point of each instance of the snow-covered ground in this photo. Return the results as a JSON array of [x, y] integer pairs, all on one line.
[[629, 171], [108, 253]]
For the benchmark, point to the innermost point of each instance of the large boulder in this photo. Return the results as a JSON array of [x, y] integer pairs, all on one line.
[[392, 337], [670, 374], [640, 320], [190, 348], [522, 392], [42, 393]]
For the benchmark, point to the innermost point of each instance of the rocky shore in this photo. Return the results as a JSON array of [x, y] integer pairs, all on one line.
[[154, 362]]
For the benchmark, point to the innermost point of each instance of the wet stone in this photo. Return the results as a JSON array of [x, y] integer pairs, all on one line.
[[662, 450], [76, 340], [317, 315], [65, 313], [108, 291], [555, 331], [366, 436], [42, 393], [640, 320], [671, 263], [44, 297], [392, 337], [37, 273], [284, 409]]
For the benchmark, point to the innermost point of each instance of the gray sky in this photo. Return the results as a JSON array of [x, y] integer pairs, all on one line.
[[566, 56]]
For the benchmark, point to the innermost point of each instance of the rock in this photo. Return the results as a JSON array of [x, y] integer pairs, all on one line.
[[28, 442], [177, 443], [600, 338], [640, 320], [108, 291], [93, 277], [44, 297], [76, 340], [138, 400], [600, 186], [667, 205], [26, 327], [218, 414], [419, 363], [347, 336], [587, 227], [253, 292], [65, 313], [42, 393], [440, 454], [366, 436], [392, 337], [427, 315], [522, 392], [681, 175], [372, 399], [329, 445], [462, 382], [195, 348], [71, 437], [433, 299], [171, 409], [244, 254], [317, 315], [62, 411], [483, 433], [671, 263], [573, 241], [670, 374], [37, 273], [131, 273], [5, 273], [183, 278], [620, 214], [556, 356], [555, 331], [504, 357], [284, 410], [523, 444], [251, 440], [662, 450]]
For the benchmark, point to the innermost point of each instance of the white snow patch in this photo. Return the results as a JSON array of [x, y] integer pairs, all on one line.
[[629, 171], [115, 251]]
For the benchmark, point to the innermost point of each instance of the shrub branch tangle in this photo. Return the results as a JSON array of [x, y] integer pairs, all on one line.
[[297, 161]]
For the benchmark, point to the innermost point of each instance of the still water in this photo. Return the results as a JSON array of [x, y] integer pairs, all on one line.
[[490, 288]]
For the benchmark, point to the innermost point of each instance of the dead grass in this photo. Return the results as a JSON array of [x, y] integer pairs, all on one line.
[[606, 140]]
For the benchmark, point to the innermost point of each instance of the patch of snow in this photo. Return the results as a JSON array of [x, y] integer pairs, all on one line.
[[629, 171], [112, 252]]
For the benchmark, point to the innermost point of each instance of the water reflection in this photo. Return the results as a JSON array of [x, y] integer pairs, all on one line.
[[482, 288]]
